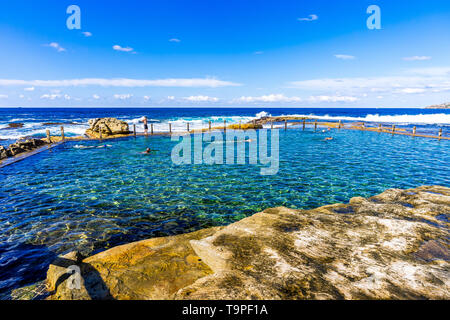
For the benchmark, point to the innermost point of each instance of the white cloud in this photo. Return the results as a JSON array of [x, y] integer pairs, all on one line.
[[29, 89], [258, 52], [21, 96], [174, 40], [56, 46], [332, 99], [201, 99], [411, 90], [147, 98], [417, 58], [87, 34], [344, 56], [416, 80], [52, 96], [269, 98], [3, 96], [177, 82], [311, 17], [125, 96], [96, 96], [170, 98], [123, 49]]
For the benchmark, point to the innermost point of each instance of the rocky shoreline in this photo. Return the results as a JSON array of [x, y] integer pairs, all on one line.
[[390, 246], [21, 146]]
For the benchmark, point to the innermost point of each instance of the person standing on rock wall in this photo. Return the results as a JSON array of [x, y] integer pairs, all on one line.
[[145, 125]]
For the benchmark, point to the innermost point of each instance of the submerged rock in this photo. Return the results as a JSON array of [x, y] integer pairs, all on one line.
[[108, 127], [391, 246], [14, 125]]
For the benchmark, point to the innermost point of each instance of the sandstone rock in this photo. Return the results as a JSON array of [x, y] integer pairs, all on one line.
[[20, 147], [109, 126], [15, 149], [149, 269], [391, 246], [245, 126], [3, 153], [267, 119]]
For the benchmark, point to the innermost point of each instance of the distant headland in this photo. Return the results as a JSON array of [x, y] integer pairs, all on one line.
[[440, 106]]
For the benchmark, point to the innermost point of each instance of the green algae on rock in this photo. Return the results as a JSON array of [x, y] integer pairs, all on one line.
[[390, 246]]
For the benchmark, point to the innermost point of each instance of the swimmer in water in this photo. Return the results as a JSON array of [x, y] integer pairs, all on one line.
[[328, 139], [147, 151]]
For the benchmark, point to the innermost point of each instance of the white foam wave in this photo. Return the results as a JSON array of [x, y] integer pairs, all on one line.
[[262, 114], [438, 118]]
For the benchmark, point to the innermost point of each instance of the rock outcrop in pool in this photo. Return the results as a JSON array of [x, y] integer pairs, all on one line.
[[390, 246], [108, 127]]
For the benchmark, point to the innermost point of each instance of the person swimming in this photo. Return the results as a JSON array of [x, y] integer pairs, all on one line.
[[92, 147], [147, 151], [328, 139]]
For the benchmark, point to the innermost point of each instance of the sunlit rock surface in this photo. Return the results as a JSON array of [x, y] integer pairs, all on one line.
[[391, 246], [108, 127]]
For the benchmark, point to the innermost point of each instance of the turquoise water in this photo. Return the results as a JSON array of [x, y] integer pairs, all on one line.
[[92, 199]]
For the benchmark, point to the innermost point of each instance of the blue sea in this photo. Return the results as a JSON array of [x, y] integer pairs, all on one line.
[[89, 197]]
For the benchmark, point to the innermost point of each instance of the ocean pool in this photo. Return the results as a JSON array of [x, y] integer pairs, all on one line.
[[90, 199]]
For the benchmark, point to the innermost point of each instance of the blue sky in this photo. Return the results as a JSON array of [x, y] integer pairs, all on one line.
[[225, 53]]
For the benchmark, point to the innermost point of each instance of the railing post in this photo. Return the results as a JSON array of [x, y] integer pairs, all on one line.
[[379, 127], [100, 132], [315, 125], [63, 137], [209, 125], [224, 125], [414, 131], [363, 125], [393, 128], [187, 127], [151, 128], [285, 124], [170, 128], [134, 130], [48, 136], [340, 124], [304, 124], [440, 133]]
